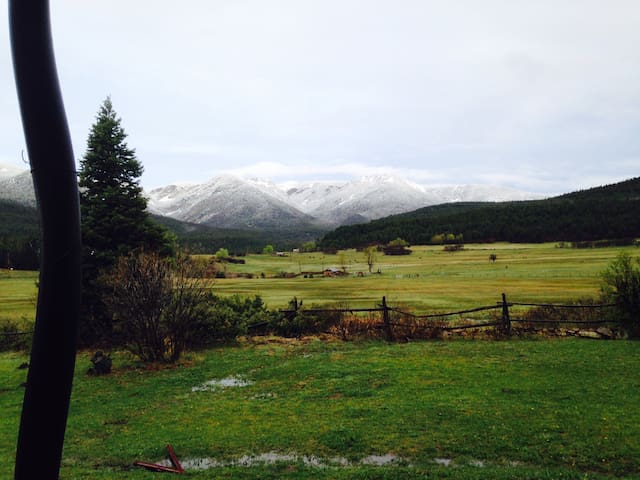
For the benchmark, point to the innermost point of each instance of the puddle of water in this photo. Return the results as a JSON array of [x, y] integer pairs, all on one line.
[[264, 396], [271, 458], [380, 460], [228, 382]]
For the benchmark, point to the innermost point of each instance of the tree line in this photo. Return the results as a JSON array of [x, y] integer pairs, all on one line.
[[19, 236], [610, 212]]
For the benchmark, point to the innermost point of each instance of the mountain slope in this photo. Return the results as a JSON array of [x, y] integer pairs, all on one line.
[[226, 202], [235, 203], [369, 198], [9, 170], [609, 212], [18, 188], [229, 202]]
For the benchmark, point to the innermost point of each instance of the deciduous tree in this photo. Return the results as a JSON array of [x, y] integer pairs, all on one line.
[[370, 255]]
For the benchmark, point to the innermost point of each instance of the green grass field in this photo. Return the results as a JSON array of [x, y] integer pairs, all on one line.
[[429, 279], [18, 295], [518, 409]]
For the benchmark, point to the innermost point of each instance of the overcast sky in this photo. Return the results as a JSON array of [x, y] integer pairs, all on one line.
[[538, 95]]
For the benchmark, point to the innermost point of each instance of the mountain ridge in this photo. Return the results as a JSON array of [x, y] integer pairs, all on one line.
[[609, 212], [321, 204], [227, 201]]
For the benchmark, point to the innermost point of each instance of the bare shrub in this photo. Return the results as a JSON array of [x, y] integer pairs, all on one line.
[[352, 327], [156, 304]]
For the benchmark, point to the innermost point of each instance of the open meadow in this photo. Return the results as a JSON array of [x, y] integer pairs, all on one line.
[[18, 294], [429, 279]]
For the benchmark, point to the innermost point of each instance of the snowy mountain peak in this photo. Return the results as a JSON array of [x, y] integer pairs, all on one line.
[[228, 201], [331, 203], [7, 171], [391, 180]]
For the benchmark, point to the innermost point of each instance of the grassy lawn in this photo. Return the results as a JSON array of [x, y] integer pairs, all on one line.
[[460, 409]]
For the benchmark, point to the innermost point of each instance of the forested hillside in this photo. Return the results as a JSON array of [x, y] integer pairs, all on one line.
[[198, 238], [609, 212], [19, 236]]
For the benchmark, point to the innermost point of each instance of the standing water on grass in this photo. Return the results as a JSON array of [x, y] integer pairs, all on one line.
[[221, 383]]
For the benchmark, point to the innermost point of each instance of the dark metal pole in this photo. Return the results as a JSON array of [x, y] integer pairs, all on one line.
[[46, 401]]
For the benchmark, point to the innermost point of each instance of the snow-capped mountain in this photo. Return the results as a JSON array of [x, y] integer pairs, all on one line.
[[363, 199], [7, 171], [18, 187], [481, 193], [226, 202], [232, 202]]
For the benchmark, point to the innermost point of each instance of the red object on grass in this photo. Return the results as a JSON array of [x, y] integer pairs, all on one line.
[[177, 468]]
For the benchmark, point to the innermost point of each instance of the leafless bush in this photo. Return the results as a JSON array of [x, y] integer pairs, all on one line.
[[156, 304], [352, 327]]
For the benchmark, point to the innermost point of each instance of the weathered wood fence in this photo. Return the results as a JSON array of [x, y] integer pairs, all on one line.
[[394, 323], [502, 322]]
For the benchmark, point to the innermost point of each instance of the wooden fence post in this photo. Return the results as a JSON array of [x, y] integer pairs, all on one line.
[[506, 320], [297, 327], [386, 320]]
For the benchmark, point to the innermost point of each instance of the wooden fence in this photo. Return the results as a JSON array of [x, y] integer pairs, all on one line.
[[502, 320], [394, 322]]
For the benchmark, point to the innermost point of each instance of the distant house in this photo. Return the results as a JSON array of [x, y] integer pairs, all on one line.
[[334, 272]]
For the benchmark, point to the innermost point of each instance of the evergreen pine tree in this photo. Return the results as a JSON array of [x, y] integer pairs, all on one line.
[[115, 221]]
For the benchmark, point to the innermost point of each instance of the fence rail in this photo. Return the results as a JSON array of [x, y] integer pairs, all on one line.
[[503, 324]]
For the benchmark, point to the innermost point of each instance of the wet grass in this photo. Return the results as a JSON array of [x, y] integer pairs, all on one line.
[[510, 409]]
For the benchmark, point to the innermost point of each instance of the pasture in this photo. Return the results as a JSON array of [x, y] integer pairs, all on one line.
[[18, 294], [298, 409], [429, 279]]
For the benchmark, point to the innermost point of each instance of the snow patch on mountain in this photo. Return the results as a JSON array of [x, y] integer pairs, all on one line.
[[7, 171], [231, 202], [226, 202], [332, 203], [18, 188]]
